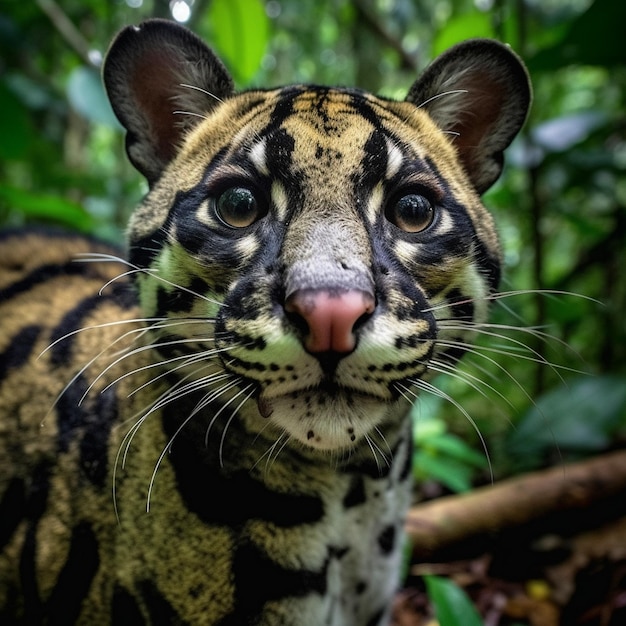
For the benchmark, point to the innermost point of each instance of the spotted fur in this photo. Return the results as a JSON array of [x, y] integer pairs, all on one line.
[[214, 431]]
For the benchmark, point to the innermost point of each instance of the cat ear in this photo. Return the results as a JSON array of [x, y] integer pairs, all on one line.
[[479, 92], [161, 80]]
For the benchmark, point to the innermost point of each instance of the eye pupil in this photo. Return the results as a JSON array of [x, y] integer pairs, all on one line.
[[412, 213], [237, 207]]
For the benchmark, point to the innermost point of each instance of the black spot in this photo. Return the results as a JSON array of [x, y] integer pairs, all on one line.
[[310, 435], [175, 300], [356, 493], [387, 540], [338, 553], [142, 252], [462, 306], [361, 587]]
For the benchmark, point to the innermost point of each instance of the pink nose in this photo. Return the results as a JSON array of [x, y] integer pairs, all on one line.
[[330, 317]]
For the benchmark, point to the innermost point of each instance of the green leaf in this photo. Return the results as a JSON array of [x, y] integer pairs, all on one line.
[[581, 417], [87, 96], [596, 37], [451, 603], [16, 128], [240, 33], [48, 208], [461, 27], [451, 446], [454, 475]]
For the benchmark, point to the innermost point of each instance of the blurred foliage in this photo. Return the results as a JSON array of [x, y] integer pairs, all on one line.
[[452, 605], [560, 205]]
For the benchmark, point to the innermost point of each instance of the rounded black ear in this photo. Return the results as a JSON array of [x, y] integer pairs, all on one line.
[[161, 80], [479, 92]]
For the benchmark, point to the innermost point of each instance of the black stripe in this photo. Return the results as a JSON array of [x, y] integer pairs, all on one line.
[[90, 421], [95, 442], [461, 306], [121, 294], [283, 108], [124, 609], [180, 300], [279, 149], [489, 263], [75, 578], [72, 414], [375, 160], [407, 467], [36, 504], [364, 109], [487, 260], [42, 274], [161, 611], [196, 464], [258, 579], [19, 349], [12, 509]]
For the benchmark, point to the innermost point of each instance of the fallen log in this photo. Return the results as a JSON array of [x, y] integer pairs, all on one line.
[[438, 526]]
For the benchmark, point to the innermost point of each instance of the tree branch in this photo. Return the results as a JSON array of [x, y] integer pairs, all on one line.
[[66, 29], [408, 61], [439, 526]]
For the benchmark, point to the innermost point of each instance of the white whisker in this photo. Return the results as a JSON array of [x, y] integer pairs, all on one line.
[[452, 92], [430, 388], [204, 91]]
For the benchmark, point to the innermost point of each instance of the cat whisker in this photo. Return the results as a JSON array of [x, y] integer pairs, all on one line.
[[451, 92], [184, 423], [469, 379], [149, 271], [191, 113], [128, 353], [204, 91], [430, 388], [247, 392]]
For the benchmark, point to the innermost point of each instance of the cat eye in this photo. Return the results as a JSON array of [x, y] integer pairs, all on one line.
[[411, 213], [238, 207]]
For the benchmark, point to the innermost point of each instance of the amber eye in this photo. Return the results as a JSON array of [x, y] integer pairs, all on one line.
[[412, 213], [237, 207]]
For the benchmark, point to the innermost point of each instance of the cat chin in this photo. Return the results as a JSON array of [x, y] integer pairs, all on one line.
[[323, 422]]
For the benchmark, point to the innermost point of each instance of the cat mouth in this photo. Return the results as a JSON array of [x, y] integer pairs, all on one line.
[[327, 391]]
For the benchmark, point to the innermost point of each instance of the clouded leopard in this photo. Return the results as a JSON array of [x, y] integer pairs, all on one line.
[[215, 430]]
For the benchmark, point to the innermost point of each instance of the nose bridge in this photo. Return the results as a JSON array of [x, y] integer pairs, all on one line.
[[331, 254]]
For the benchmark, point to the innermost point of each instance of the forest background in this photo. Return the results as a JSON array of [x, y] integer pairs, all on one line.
[[553, 392]]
